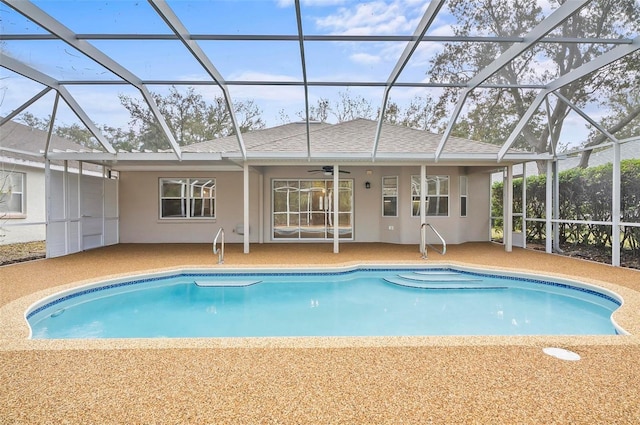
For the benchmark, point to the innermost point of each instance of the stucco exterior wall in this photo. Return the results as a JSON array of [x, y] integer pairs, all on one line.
[[14, 229], [140, 223], [139, 209]]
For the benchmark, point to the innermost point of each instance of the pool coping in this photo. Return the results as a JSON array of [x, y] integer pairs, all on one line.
[[15, 331]]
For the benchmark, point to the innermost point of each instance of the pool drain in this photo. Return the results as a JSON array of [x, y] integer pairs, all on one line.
[[561, 353]]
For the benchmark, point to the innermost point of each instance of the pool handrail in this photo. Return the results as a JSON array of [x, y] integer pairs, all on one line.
[[424, 243], [220, 251]]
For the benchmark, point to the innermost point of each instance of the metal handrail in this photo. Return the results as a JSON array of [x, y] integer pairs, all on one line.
[[220, 251], [424, 243]]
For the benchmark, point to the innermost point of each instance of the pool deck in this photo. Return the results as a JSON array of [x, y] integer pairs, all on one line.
[[419, 380]]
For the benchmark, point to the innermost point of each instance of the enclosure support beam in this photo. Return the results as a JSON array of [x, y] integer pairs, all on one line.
[[245, 221], [47, 204], [524, 204], [548, 200], [571, 76], [424, 24], [35, 75], [39, 16], [261, 208], [178, 28], [558, 16], [54, 112], [615, 207], [303, 64], [423, 196], [556, 207], [336, 207], [24, 106], [508, 210], [585, 116]]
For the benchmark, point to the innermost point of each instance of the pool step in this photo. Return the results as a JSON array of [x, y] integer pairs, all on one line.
[[440, 284], [225, 283], [439, 277]]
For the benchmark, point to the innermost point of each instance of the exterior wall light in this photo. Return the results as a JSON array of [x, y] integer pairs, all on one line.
[[367, 185]]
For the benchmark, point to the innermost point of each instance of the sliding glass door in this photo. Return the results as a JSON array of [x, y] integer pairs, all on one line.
[[303, 209]]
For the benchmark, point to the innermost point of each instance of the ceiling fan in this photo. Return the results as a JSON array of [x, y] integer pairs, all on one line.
[[327, 170]]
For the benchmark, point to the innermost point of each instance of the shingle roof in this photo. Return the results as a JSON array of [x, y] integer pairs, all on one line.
[[19, 137], [353, 137], [259, 140]]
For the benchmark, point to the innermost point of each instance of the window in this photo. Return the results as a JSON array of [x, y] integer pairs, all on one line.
[[463, 195], [437, 202], [187, 198], [12, 193], [390, 196], [303, 209]]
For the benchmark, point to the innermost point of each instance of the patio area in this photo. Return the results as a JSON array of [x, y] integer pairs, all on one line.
[[313, 380]]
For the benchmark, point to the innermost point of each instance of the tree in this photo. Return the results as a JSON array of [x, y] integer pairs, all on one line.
[[120, 139], [30, 120], [623, 122], [350, 107], [419, 114], [189, 117], [493, 113]]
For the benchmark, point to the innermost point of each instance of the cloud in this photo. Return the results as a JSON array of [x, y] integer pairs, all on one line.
[[365, 58], [374, 17]]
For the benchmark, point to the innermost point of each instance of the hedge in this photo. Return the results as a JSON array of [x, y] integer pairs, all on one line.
[[585, 194]]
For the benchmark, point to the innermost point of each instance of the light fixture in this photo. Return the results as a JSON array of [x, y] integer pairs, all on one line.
[[367, 185]]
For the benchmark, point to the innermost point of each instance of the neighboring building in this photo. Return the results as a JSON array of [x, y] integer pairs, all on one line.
[[22, 181]]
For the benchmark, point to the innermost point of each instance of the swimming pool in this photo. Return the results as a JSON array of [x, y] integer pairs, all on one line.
[[359, 301]]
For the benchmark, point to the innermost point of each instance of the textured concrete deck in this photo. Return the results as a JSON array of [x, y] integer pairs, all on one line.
[[495, 380]]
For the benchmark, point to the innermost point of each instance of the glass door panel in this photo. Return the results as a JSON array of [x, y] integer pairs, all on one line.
[[303, 209]]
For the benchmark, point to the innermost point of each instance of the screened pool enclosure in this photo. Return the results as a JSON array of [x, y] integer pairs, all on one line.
[[161, 121]]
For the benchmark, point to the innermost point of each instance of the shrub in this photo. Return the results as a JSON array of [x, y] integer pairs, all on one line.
[[584, 194]]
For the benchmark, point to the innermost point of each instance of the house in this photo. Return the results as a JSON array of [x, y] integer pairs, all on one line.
[[277, 185], [23, 200]]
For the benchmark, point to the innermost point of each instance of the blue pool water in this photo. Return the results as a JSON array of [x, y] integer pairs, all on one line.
[[363, 302]]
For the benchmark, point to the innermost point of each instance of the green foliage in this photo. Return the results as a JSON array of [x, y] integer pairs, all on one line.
[[492, 113], [420, 114], [190, 118], [584, 195]]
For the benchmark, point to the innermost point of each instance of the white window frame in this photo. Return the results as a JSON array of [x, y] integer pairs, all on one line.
[[435, 182], [464, 195], [388, 193], [10, 188], [189, 197]]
